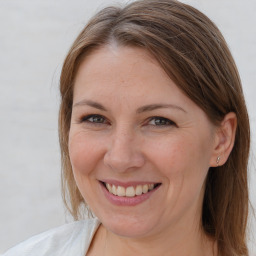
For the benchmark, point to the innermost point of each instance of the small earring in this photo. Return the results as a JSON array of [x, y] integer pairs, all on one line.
[[218, 160]]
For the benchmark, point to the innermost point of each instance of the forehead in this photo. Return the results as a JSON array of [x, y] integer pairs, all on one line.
[[113, 59], [127, 73], [112, 66]]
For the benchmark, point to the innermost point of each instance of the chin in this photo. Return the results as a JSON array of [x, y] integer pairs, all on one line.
[[129, 226]]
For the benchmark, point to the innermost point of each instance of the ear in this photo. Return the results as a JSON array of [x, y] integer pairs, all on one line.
[[224, 140]]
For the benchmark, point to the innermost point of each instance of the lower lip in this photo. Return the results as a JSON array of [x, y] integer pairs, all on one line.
[[127, 201]]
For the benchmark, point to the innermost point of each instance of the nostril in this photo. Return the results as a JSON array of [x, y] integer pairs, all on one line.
[[123, 159]]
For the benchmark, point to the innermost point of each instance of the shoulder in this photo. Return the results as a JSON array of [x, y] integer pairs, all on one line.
[[70, 239]]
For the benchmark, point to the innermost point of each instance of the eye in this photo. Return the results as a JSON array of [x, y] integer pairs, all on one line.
[[160, 121], [94, 119]]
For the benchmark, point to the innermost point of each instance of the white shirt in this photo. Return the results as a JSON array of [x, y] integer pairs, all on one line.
[[68, 240]]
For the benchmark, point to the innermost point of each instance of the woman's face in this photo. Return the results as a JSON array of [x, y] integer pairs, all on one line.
[[135, 134]]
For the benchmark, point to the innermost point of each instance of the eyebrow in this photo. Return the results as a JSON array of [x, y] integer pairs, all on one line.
[[91, 104], [142, 109], [152, 107]]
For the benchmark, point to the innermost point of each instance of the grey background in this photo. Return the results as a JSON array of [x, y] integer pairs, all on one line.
[[34, 38]]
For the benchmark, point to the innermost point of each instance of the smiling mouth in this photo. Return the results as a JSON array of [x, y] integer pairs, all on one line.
[[131, 191]]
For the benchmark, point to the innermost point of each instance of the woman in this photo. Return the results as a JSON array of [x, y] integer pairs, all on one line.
[[155, 137]]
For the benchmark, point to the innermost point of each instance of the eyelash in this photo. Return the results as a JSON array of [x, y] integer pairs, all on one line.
[[86, 119], [167, 121]]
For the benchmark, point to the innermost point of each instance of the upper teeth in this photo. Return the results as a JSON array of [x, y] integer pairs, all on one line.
[[129, 191]]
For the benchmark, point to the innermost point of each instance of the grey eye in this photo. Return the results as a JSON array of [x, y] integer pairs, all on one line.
[[96, 119], [160, 121]]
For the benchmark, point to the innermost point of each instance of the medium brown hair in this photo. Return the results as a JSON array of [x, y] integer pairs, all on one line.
[[194, 54]]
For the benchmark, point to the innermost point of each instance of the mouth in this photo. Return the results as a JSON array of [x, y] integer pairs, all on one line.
[[130, 191]]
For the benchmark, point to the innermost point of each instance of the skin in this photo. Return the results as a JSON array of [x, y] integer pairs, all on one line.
[[126, 143]]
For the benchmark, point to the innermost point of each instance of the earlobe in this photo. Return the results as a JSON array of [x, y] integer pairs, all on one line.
[[225, 139]]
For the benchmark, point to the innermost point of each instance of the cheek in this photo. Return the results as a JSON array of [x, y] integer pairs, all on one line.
[[179, 162], [170, 155], [182, 161], [83, 152]]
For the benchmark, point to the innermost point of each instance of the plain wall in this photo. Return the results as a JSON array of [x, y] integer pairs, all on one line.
[[34, 38]]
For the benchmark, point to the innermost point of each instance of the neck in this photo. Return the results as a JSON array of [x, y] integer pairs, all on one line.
[[182, 241]]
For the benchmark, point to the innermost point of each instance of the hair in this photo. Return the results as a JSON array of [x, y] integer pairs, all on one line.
[[194, 54]]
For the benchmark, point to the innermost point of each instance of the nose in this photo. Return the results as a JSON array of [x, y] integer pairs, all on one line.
[[124, 152]]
